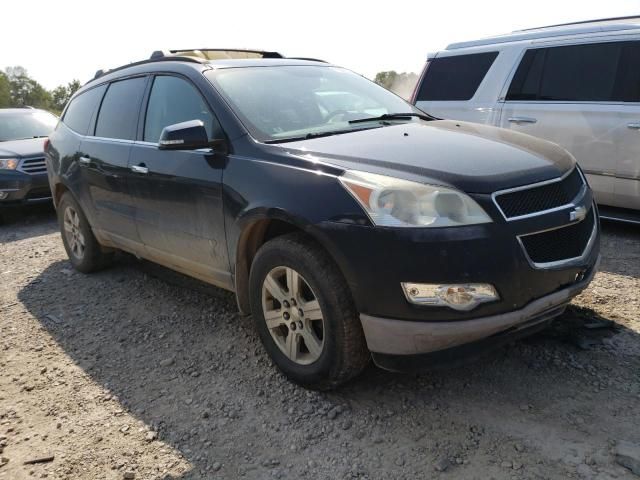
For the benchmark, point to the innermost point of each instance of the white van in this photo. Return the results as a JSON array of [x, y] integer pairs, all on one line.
[[577, 85]]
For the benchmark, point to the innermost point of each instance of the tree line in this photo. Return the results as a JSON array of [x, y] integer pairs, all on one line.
[[18, 89], [400, 83]]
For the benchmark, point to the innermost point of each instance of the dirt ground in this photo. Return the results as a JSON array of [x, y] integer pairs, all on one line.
[[136, 372]]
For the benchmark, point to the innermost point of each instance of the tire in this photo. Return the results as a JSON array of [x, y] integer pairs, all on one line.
[[336, 350], [84, 251]]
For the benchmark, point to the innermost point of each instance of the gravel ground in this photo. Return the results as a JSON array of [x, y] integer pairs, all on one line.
[[137, 372]]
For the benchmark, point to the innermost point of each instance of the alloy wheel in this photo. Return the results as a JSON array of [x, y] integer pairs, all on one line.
[[75, 238], [293, 315]]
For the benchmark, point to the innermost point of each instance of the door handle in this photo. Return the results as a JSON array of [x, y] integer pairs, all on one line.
[[523, 119], [634, 125], [84, 160], [139, 169]]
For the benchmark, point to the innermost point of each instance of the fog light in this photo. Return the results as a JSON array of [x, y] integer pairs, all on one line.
[[3, 195], [464, 296]]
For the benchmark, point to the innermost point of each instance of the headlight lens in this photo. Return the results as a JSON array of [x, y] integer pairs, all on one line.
[[8, 163], [393, 202]]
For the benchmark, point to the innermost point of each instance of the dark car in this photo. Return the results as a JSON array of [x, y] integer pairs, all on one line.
[[347, 222], [23, 172]]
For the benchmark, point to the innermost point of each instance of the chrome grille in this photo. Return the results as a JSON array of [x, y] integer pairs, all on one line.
[[33, 166], [561, 244], [540, 197]]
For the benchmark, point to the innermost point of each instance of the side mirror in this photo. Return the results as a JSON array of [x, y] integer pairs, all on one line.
[[189, 135]]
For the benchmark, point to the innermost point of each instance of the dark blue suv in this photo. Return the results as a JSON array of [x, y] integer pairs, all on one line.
[[23, 172], [349, 224]]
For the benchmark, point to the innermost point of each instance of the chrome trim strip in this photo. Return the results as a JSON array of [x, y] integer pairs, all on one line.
[[619, 219], [565, 261], [106, 139], [573, 203], [612, 175]]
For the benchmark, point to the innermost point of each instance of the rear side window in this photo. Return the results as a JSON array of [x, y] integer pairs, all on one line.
[[174, 100], [80, 110], [118, 114], [599, 72], [455, 78]]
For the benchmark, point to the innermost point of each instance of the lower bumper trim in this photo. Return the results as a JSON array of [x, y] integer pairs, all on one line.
[[401, 337]]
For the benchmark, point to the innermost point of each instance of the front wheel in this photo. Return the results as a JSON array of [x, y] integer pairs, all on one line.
[[304, 313]]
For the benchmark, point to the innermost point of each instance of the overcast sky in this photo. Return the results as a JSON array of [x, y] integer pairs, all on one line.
[[59, 40]]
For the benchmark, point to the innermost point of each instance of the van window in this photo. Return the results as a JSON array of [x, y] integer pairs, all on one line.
[[118, 114], [78, 114], [599, 72], [455, 78], [174, 100]]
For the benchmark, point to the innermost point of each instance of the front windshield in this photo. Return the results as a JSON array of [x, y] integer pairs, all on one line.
[[27, 124], [277, 103]]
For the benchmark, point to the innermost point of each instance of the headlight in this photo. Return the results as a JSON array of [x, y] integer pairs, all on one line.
[[462, 297], [392, 202], [8, 163]]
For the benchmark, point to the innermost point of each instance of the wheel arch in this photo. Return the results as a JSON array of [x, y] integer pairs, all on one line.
[[59, 189], [256, 230]]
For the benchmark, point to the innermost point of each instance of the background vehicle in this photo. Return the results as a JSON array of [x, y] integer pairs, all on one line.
[[23, 172], [345, 220], [577, 85]]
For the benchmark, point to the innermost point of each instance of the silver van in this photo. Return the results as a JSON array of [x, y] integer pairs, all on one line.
[[577, 85]]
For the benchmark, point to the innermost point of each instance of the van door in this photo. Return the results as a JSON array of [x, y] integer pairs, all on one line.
[[582, 98], [178, 193], [104, 157]]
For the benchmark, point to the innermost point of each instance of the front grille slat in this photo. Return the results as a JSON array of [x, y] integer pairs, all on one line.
[[560, 244], [33, 165], [540, 198]]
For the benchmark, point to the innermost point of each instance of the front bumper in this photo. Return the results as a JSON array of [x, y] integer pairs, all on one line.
[[22, 188], [397, 337]]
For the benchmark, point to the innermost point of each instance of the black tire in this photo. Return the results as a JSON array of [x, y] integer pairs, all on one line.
[[92, 257], [344, 352]]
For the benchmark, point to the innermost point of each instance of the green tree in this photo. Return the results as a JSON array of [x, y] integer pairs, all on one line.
[[61, 95], [399, 83], [5, 91], [386, 79], [25, 91]]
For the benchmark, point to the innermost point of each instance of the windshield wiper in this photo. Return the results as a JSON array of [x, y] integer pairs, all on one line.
[[311, 135], [394, 116]]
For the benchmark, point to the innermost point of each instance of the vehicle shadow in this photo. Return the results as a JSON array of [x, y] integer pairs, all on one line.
[[175, 354], [19, 223]]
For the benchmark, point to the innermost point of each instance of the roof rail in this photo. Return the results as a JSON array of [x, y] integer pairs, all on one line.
[[308, 59], [581, 22], [562, 30], [200, 55], [210, 53], [153, 58]]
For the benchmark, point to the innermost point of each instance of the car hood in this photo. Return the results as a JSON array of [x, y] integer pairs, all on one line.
[[22, 148], [471, 157]]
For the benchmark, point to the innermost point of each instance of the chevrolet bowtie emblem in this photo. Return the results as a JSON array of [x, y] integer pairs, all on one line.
[[577, 214]]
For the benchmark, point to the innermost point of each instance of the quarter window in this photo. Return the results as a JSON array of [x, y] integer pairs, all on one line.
[[455, 78], [174, 100], [79, 112], [118, 114], [599, 72]]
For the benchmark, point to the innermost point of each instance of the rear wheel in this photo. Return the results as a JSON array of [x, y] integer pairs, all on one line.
[[83, 250], [304, 313]]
